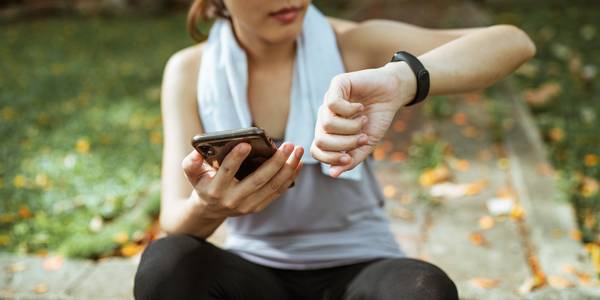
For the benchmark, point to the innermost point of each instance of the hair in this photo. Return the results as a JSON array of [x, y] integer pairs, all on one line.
[[204, 10]]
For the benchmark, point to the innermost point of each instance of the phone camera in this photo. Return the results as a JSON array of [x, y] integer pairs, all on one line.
[[207, 150]]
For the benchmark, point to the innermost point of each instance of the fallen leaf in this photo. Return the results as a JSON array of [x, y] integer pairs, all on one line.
[[433, 176], [486, 222], [459, 118], [41, 288], [476, 187], [583, 277], [16, 267], [575, 235], [82, 145], [131, 249], [461, 165], [503, 163], [477, 239], [399, 126], [121, 237], [53, 263], [24, 212], [398, 156], [594, 250], [517, 212], [556, 134], [531, 284], [558, 282], [389, 191], [484, 283], [469, 132], [378, 153], [542, 95]]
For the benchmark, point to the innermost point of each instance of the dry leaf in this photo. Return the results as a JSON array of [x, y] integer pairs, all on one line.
[[121, 238], [131, 249], [41, 288], [583, 277], [476, 187], [459, 118], [378, 153], [531, 284], [53, 263], [517, 212], [486, 222], [477, 239], [433, 176], [558, 282], [484, 283], [389, 191], [542, 95], [16, 267], [398, 156], [575, 235], [469, 132], [461, 165], [399, 126]]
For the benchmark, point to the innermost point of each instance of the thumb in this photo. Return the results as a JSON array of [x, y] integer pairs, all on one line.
[[337, 97], [195, 167]]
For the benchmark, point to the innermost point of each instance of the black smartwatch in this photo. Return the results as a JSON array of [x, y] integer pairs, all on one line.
[[420, 72]]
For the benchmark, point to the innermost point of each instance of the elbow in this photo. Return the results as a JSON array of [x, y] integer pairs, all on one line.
[[523, 43]]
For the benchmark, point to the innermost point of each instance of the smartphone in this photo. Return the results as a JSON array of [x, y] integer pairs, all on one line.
[[215, 146]]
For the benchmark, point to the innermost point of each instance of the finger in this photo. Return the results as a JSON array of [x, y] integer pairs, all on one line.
[[277, 185], [230, 165], [194, 167], [336, 142], [336, 97], [329, 157], [344, 107], [334, 124], [266, 171], [358, 156]]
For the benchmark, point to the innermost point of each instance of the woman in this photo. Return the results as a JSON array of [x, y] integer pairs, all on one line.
[[326, 237]]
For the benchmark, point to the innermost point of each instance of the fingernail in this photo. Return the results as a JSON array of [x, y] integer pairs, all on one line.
[[345, 159], [242, 148], [364, 120], [363, 139], [288, 148]]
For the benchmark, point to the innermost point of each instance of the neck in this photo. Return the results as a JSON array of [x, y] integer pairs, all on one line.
[[262, 52]]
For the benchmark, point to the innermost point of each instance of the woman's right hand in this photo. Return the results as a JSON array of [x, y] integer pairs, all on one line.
[[221, 195]]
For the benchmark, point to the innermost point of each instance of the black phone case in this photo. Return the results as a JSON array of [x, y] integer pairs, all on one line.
[[215, 146]]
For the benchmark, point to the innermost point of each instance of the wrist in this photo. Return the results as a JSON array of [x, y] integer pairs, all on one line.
[[405, 82], [203, 209]]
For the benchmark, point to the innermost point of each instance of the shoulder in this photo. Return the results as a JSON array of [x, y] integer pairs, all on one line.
[[352, 57], [180, 77], [185, 61]]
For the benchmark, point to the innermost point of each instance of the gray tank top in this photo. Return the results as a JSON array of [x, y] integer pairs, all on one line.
[[320, 222]]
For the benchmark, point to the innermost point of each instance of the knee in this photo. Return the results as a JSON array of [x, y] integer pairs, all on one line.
[[403, 279], [168, 264], [431, 282]]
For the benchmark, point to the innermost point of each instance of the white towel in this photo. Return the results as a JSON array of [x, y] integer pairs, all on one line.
[[223, 82]]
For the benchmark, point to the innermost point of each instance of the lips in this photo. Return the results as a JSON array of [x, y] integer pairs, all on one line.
[[286, 15]]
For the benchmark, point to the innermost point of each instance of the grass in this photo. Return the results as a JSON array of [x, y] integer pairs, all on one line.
[[562, 89], [81, 130]]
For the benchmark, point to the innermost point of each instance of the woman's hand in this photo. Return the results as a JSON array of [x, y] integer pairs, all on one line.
[[221, 195], [357, 111]]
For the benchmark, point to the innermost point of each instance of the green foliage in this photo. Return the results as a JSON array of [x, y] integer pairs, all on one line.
[[81, 128], [426, 152], [563, 91]]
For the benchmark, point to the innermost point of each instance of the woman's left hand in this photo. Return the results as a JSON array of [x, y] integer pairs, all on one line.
[[357, 111]]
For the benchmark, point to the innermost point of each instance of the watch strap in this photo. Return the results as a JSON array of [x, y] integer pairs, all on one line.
[[421, 75]]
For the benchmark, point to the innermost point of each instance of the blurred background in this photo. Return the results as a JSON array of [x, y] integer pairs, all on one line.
[[80, 121]]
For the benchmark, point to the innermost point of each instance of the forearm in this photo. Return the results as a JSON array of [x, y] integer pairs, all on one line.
[[476, 60], [189, 216]]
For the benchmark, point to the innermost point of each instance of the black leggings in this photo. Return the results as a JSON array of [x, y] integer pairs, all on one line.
[[185, 267]]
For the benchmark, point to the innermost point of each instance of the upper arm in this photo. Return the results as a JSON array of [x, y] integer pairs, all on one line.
[[180, 119], [375, 41]]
